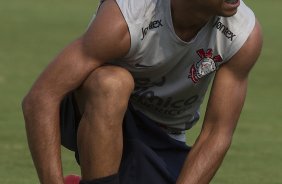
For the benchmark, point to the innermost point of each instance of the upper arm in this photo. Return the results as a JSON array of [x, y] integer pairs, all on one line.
[[230, 85], [107, 38]]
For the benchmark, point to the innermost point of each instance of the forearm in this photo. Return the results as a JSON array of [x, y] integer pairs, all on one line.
[[42, 126], [204, 159]]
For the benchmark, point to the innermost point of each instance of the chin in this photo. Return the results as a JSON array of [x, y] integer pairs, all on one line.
[[228, 13]]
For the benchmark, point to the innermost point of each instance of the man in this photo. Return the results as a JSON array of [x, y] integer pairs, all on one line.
[[158, 56]]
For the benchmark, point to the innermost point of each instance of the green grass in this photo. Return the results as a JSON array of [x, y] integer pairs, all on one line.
[[33, 32]]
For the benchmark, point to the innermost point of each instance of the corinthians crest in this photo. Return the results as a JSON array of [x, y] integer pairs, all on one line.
[[207, 64]]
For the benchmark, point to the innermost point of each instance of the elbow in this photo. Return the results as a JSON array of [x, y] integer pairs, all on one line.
[[25, 103], [28, 104], [31, 104], [220, 139], [219, 136], [226, 145], [37, 103], [224, 142]]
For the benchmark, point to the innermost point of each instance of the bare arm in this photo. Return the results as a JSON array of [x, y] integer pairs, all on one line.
[[106, 39], [224, 107]]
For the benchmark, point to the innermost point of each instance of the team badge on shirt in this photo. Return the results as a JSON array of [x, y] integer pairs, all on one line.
[[207, 64]]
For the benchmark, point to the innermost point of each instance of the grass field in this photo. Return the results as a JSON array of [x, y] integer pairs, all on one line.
[[31, 34]]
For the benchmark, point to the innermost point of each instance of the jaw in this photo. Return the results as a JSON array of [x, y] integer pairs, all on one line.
[[230, 7], [198, 12], [231, 1]]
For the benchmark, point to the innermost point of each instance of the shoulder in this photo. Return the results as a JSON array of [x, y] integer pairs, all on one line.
[[135, 11], [243, 61], [107, 36], [234, 31], [138, 14]]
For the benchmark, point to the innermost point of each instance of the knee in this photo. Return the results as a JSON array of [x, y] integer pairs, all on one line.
[[109, 82]]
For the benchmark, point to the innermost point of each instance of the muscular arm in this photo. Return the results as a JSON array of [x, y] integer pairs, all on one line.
[[107, 38], [223, 111]]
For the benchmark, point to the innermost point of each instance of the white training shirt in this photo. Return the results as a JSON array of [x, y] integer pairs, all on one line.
[[171, 75]]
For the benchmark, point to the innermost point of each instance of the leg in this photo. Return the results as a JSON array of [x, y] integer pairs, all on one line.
[[102, 100]]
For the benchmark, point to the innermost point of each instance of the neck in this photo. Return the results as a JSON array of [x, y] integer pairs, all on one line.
[[188, 18]]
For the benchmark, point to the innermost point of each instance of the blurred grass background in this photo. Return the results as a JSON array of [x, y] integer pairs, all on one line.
[[33, 32]]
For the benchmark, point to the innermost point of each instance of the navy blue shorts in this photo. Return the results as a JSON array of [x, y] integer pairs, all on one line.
[[150, 156]]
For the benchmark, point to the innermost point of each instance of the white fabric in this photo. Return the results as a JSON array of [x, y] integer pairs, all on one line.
[[171, 75]]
